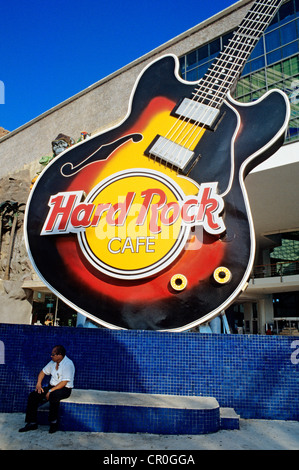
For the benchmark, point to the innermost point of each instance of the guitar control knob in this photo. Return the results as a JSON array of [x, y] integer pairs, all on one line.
[[178, 282], [222, 275]]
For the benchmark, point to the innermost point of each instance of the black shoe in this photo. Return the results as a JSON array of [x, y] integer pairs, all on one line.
[[53, 428], [29, 427]]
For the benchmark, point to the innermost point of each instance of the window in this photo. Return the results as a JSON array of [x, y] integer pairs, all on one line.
[[258, 50], [286, 12], [272, 40], [215, 47], [288, 33], [286, 305]]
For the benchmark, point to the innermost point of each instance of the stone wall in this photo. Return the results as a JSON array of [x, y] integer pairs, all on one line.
[[15, 302]]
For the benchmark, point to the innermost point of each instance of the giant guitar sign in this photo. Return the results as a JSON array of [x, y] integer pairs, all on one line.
[[148, 225]]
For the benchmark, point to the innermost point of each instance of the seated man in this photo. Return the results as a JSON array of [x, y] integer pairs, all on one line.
[[62, 372]]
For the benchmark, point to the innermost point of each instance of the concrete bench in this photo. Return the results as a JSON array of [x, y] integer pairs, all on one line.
[[106, 411]]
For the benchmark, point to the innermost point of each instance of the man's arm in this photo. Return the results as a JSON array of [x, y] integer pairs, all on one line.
[[57, 387], [38, 387]]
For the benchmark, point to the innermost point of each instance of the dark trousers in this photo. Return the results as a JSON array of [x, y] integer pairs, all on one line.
[[36, 399]]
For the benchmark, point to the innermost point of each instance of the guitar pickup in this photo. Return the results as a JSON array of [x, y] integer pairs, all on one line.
[[199, 113], [171, 154]]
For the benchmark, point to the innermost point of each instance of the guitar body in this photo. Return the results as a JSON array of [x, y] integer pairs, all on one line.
[[110, 267]]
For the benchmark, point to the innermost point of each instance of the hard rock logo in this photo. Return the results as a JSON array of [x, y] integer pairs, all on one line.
[[134, 223]]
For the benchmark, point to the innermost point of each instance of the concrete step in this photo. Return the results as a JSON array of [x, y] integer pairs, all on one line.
[[229, 419], [101, 411]]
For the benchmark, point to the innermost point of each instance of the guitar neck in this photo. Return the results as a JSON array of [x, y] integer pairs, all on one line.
[[203, 108], [226, 69]]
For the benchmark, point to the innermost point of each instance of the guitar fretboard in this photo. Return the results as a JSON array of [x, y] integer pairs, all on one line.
[[203, 109], [226, 69]]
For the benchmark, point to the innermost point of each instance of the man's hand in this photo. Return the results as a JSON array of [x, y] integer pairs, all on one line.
[[39, 388], [57, 387]]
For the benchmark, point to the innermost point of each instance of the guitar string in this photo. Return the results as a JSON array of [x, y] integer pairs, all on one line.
[[217, 68], [225, 64], [184, 122], [192, 102], [220, 63], [195, 126], [242, 51]]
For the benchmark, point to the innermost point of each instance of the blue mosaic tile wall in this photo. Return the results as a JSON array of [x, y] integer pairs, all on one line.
[[253, 374]]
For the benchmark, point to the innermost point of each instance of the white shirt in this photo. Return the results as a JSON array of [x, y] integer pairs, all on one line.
[[65, 371]]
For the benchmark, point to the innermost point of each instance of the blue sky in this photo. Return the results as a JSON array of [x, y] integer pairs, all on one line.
[[53, 49]]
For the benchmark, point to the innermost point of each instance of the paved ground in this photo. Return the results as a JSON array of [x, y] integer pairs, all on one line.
[[252, 435]]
